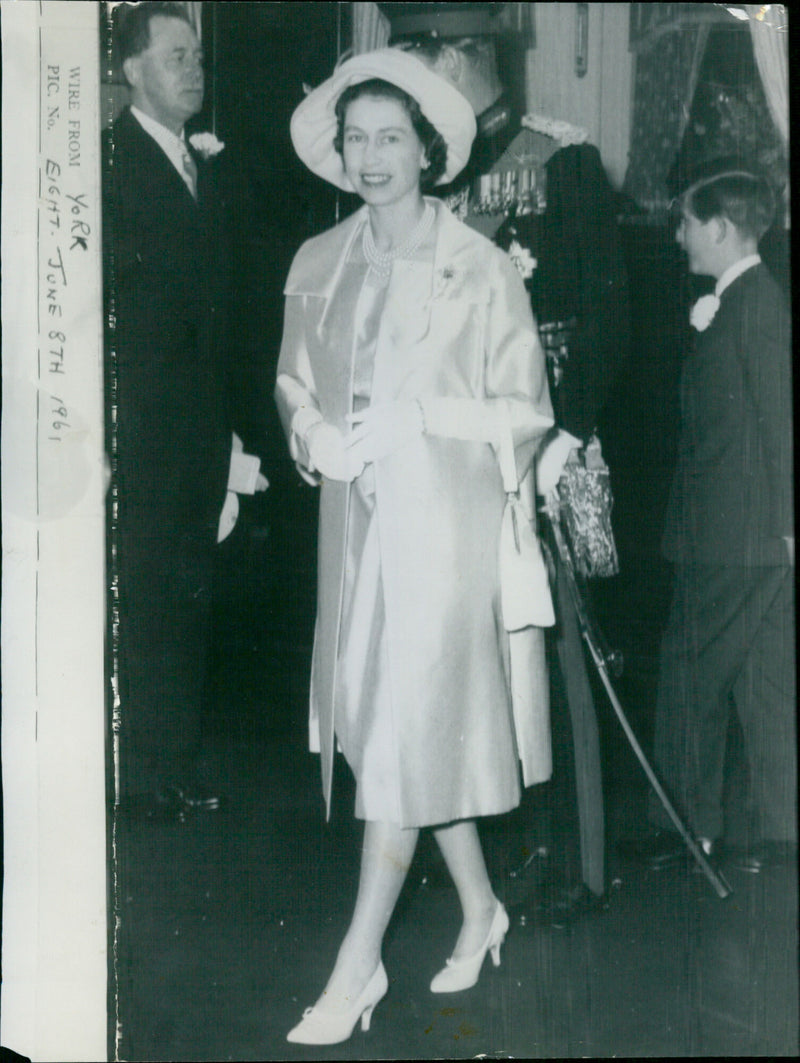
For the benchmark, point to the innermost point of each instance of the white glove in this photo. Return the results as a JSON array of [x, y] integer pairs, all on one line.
[[383, 429], [552, 459], [328, 453]]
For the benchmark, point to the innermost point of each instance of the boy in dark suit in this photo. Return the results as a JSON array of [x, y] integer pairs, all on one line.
[[729, 641]]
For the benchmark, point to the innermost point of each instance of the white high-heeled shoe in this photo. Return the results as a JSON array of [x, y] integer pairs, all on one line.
[[462, 974], [329, 1028]]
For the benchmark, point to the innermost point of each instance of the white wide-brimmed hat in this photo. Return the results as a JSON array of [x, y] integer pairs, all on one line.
[[313, 126]]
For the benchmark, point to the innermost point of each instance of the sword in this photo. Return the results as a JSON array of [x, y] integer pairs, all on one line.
[[601, 660]]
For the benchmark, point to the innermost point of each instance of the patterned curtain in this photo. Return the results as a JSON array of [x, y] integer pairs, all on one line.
[[195, 12], [665, 81], [770, 32]]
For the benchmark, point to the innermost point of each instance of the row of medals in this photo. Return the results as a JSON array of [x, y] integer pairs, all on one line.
[[518, 192]]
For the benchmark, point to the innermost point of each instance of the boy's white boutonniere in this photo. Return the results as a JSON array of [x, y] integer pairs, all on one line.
[[522, 259], [206, 145], [703, 312]]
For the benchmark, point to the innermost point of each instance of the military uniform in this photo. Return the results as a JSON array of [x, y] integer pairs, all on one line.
[[546, 199]]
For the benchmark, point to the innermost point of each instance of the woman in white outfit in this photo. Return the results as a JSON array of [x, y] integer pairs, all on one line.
[[411, 386]]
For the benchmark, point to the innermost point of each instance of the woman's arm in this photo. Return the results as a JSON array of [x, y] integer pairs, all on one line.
[[295, 392], [515, 362], [516, 411], [319, 449]]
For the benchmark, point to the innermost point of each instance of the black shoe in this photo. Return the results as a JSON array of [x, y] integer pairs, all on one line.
[[660, 851], [190, 798], [568, 905], [761, 857], [157, 807], [170, 804]]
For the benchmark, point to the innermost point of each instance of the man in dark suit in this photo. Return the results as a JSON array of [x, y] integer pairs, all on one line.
[[729, 641], [164, 239]]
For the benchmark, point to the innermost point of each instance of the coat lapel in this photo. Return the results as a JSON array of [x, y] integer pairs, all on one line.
[[416, 288], [318, 273]]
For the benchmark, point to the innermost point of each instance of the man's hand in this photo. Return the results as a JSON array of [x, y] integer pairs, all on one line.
[[329, 455], [383, 429]]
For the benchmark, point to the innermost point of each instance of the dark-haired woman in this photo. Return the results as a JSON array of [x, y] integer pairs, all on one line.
[[411, 385]]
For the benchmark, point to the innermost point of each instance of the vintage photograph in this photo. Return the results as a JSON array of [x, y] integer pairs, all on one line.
[[405, 396]]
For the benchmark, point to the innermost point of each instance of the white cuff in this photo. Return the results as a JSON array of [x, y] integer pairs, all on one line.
[[243, 472], [227, 519]]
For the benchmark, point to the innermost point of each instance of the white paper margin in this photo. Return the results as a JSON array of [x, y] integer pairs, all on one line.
[[53, 1003]]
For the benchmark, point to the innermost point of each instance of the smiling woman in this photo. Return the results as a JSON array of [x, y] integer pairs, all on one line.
[[433, 146], [412, 389], [383, 156]]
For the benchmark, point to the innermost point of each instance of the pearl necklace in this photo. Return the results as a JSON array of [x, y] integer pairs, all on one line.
[[381, 261]]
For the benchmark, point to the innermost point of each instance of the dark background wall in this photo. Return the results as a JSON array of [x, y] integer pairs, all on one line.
[[262, 55]]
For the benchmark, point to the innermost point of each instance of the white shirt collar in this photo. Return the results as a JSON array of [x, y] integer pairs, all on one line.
[[172, 145], [734, 271]]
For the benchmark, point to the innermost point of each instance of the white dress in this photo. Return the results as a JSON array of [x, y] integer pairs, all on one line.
[[364, 712]]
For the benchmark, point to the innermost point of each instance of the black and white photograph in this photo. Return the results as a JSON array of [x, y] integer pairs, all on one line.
[[398, 579]]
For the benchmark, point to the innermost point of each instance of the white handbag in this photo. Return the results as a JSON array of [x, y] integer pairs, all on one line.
[[527, 607]]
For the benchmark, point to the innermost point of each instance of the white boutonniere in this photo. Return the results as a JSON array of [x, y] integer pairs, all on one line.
[[522, 259], [206, 145], [703, 312]]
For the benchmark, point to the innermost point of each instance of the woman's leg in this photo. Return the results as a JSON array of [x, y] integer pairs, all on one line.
[[461, 849], [385, 859]]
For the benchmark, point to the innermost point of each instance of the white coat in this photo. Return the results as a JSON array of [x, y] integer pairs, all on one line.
[[460, 338]]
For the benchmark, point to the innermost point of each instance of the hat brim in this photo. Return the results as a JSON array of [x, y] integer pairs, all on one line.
[[313, 125]]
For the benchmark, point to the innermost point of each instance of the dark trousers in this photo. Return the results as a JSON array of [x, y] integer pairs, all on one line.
[[729, 643], [164, 642], [566, 814], [586, 775]]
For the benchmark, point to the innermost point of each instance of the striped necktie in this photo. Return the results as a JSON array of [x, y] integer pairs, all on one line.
[[190, 172]]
